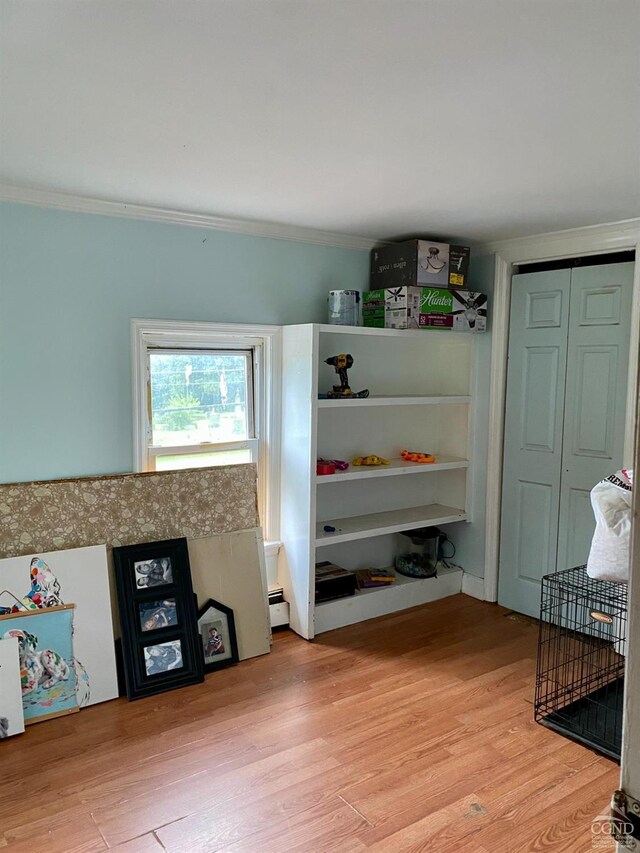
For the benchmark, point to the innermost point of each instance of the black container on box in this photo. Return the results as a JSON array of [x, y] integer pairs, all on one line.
[[420, 262]]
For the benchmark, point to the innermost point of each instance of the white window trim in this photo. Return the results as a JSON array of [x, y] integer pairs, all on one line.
[[183, 334]]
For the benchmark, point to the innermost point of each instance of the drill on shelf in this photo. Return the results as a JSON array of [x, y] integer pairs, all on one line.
[[342, 363]]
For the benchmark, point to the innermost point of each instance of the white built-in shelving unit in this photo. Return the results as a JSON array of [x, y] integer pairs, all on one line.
[[420, 399]]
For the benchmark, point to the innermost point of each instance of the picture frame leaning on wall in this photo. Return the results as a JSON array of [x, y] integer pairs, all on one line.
[[160, 641], [217, 630]]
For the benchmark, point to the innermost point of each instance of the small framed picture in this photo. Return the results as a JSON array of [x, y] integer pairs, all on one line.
[[160, 641], [155, 614], [163, 657], [156, 572], [217, 635]]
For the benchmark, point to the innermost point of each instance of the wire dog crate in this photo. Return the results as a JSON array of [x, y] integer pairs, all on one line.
[[581, 659]]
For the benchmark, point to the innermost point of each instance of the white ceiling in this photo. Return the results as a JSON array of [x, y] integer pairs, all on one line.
[[475, 118]]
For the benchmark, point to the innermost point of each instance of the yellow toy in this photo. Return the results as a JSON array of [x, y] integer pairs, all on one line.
[[372, 459]]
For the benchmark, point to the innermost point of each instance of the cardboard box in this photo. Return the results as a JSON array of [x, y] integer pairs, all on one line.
[[373, 319], [402, 307], [372, 299], [420, 262], [373, 308], [455, 310]]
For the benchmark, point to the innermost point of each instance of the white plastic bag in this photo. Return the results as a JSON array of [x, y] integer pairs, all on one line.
[[611, 501]]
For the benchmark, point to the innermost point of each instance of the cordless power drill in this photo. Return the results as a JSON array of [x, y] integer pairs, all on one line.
[[342, 363]]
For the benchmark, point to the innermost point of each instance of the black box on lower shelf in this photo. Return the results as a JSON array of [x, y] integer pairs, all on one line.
[[333, 582]]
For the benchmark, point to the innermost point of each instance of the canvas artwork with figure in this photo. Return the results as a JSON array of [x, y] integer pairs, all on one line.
[[45, 649], [78, 576], [11, 712]]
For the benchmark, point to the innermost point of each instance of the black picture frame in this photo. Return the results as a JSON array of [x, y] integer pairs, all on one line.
[[217, 636], [161, 647]]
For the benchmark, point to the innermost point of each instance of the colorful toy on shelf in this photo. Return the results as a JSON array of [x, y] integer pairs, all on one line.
[[342, 363], [417, 456], [330, 466], [372, 459]]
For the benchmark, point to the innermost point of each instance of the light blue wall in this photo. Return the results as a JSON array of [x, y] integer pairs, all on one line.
[[469, 539], [69, 284]]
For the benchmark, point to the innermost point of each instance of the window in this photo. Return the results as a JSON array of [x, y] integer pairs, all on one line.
[[207, 394], [201, 408]]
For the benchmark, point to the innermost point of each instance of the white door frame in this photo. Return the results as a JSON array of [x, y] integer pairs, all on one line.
[[577, 242]]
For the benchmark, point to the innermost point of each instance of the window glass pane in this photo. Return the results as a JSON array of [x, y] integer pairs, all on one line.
[[199, 397], [203, 460]]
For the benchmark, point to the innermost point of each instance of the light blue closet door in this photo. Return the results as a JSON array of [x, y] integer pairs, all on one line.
[[564, 419], [533, 435], [595, 400]]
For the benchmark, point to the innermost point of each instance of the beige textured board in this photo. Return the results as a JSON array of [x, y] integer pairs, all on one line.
[[126, 509], [230, 569]]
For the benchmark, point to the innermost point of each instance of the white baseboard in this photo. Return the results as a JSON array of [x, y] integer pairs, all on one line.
[[473, 586]]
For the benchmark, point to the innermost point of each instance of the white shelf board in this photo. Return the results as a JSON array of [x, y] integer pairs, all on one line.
[[347, 403], [371, 603], [390, 333], [391, 521], [394, 468]]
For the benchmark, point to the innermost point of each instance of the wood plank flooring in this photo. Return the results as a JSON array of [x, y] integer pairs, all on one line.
[[408, 733]]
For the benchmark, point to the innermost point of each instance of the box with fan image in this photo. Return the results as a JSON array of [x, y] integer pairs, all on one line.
[[402, 307], [420, 262], [456, 310]]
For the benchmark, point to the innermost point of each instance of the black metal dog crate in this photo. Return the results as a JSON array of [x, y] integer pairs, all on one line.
[[581, 659]]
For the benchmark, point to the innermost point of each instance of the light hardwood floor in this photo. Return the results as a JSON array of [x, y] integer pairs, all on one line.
[[409, 733]]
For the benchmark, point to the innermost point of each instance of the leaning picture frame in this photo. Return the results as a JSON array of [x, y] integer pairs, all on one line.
[[217, 630], [158, 619]]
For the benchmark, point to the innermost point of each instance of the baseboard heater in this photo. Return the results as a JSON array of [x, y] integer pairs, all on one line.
[[278, 609]]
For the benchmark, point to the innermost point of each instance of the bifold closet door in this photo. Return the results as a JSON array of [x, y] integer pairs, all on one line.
[[564, 419], [533, 435], [595, 398]]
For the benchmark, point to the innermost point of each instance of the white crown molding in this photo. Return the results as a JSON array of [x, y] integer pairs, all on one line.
[[248, 227], [589, 240]]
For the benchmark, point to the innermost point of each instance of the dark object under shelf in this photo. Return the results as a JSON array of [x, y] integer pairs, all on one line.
[[581, 649], [333, 582]]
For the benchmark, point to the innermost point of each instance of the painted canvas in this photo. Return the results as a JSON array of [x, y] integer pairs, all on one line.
[[79, 576], [11, 713], [45, 653]]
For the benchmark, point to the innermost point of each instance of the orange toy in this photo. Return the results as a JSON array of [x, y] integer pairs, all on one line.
[[415, 456]]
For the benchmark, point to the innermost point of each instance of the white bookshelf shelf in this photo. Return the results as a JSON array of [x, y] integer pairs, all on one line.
[[381, 523], [370, 603], [348, 403], [394, 468], [421, 400]]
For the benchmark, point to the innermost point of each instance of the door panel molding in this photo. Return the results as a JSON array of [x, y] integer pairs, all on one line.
[[579, 509], [543, 310], [592, 240], [600, 306], [533, 398], [595, 383], [535, 501]]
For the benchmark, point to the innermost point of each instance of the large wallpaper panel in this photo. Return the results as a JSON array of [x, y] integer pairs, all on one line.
[[125, 509]]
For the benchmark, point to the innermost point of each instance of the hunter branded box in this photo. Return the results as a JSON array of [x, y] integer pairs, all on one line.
[[456, 310], [425, 308], [420, 262], [373, 308]]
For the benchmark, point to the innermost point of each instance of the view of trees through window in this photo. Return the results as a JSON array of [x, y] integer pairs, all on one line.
[[200, 397]]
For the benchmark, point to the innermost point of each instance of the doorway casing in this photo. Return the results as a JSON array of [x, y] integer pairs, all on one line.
[[577, 242]]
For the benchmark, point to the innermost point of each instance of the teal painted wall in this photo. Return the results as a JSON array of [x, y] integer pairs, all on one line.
[[469, 539], [69, 285]]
